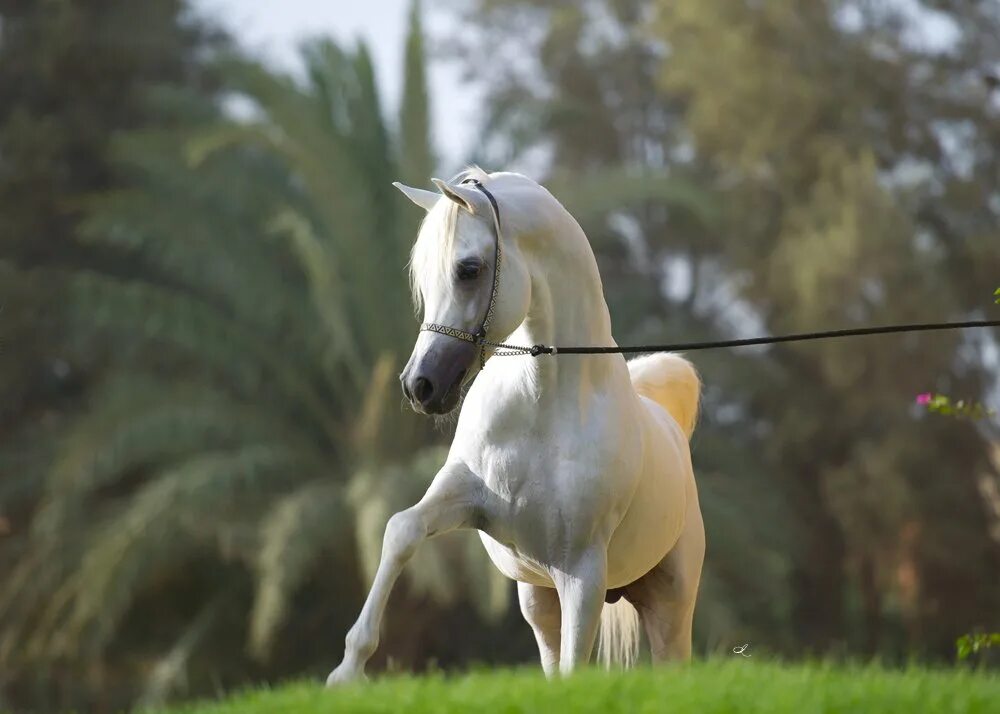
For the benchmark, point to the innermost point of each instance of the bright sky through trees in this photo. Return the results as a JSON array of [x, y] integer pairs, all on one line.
[[273, 29]]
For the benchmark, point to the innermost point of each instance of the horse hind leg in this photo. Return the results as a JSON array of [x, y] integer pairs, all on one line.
[[541, 609], [665, 596]]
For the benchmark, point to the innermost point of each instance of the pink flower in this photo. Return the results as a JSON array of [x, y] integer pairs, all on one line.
[[924, 398]]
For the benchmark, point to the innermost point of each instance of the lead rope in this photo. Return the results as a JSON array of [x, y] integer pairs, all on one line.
[[537, 350]]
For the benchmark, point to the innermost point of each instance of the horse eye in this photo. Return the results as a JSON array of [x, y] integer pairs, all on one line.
[[468, 269]]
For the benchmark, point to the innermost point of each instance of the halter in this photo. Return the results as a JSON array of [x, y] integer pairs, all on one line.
[[478, 337]]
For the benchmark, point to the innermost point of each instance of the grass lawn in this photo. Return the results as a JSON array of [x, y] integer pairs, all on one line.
[[740, 685]]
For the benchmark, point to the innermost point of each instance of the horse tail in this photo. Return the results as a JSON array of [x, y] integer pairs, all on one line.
[[618, 643], [670, 381]]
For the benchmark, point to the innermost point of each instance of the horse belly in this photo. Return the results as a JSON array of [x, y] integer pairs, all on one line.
[[515, 565], [655, 517]]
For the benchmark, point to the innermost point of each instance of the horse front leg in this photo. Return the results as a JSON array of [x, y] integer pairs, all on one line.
[[452, 502], [581, 585]]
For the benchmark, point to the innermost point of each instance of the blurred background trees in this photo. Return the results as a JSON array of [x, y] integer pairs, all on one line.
[[203, 308], [832, 149], [237, 429]]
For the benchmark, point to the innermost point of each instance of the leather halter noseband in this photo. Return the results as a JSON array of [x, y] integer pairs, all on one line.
[[478, 337]]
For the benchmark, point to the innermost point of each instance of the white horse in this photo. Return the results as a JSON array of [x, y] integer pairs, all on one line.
[[575, 470]]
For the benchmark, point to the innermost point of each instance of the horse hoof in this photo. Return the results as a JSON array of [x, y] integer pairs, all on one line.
[[343, 675]]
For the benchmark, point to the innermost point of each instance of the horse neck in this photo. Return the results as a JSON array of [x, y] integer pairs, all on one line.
[[567, 306]]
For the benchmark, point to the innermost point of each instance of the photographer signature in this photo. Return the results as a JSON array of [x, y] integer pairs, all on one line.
[[741, 649]]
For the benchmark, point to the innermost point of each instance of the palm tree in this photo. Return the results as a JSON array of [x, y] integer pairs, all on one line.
[[247, 438]]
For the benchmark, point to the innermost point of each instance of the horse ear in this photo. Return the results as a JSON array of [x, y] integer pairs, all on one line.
[[469, 198], [425, 199]]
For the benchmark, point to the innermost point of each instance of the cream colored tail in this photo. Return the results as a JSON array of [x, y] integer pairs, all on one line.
[[618, 642], [670, 381]]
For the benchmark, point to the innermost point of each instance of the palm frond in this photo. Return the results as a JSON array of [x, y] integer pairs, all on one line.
[[135, 422], [141, 311], [160, 526], [29, 591], [317, 153], [328, 296], [298, 529], [187, 249], [169, 675]]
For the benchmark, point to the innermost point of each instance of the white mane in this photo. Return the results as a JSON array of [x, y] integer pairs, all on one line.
[[434, 250]]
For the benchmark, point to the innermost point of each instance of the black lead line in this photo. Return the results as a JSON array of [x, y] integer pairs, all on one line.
[[537, 350]]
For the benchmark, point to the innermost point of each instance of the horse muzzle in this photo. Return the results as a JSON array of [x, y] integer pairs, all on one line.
[[432, 381]]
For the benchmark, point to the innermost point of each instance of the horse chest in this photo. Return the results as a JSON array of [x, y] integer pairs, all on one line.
[[555, 473], [545, 504]]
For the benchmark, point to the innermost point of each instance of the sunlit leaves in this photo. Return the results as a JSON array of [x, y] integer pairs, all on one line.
[[297, 531], [941, 404], [968, 645]]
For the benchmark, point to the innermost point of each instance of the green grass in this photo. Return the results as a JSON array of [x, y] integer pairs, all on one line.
[[732, 685]]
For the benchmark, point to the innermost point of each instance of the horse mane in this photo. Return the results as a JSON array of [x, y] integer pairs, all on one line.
[[434, 249]]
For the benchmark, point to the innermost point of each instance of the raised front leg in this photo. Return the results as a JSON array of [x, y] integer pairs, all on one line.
[[540, 607], [452, 502], [581, 586]]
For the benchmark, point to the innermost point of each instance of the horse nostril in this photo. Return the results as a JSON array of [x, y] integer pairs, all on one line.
[[422, 390]]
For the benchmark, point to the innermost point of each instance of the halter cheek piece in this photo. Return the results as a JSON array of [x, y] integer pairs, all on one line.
[[478, 337]]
